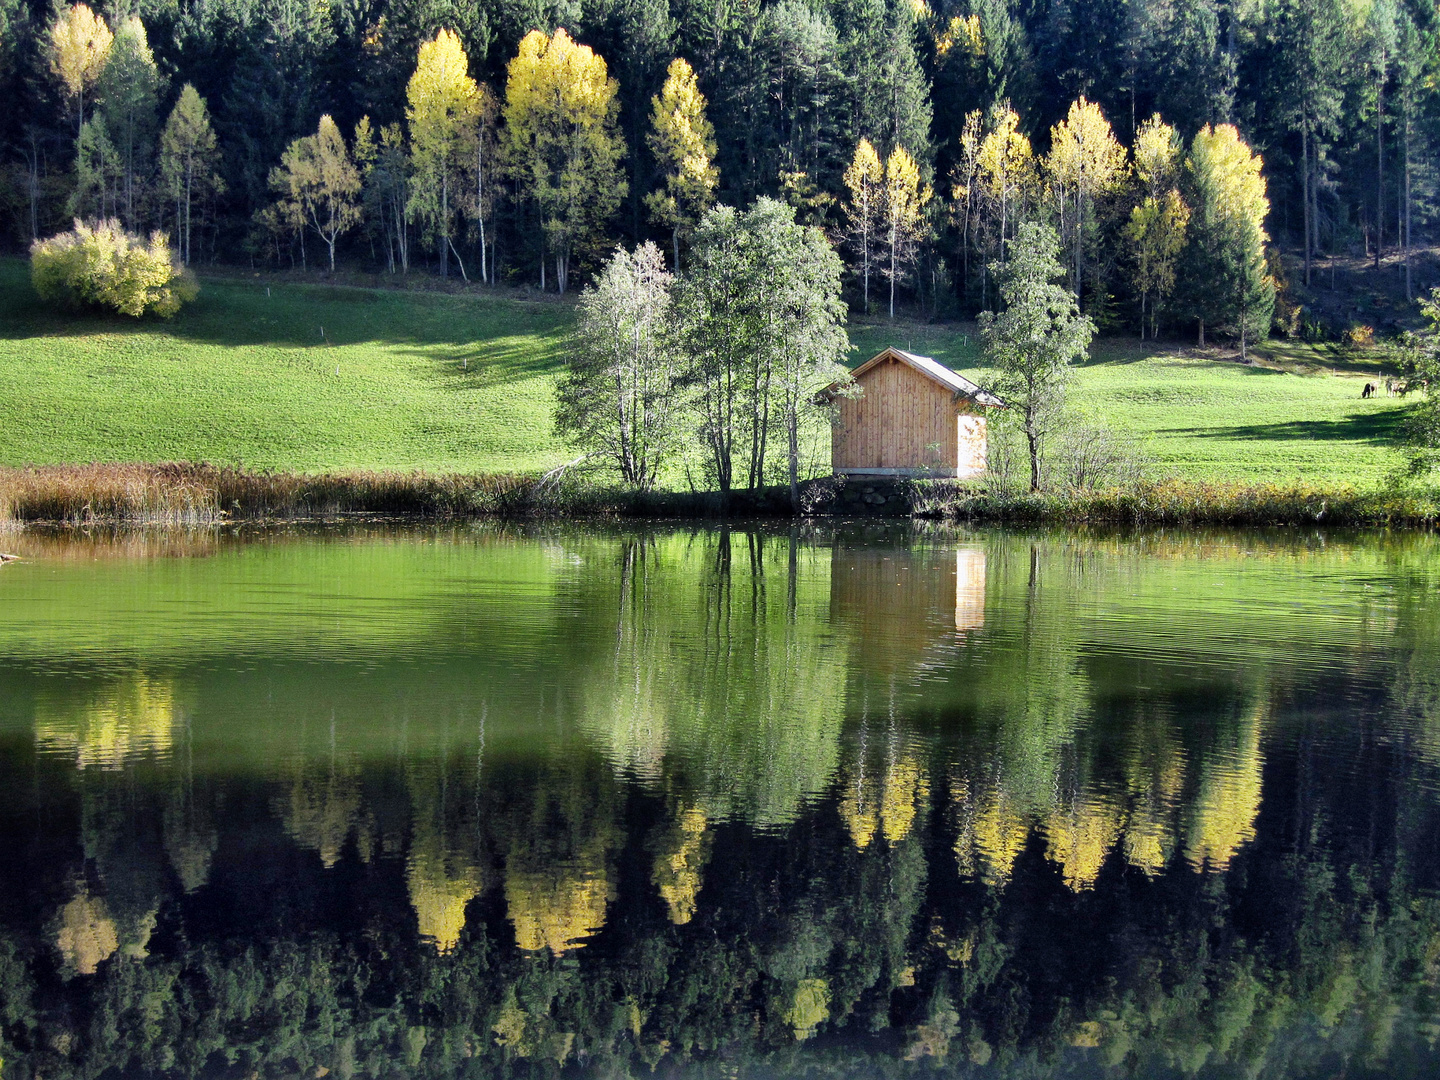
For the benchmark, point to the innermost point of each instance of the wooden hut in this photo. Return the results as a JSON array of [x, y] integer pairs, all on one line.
[[913, 417]]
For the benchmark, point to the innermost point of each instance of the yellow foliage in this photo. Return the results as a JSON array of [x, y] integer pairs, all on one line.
[[808, 1007], [104, 266], [556, 907], [1005, 161], [1080, 837], [85, 933], [683, 140], [443, 107], [440, 888], [906, 791], [1223, 818], [678, 865], [322, 811], [962, 32], [1157, 156], [1224, 161], [992, 833], [79, 47], [561, 139], [125, 720], [1084, 157]]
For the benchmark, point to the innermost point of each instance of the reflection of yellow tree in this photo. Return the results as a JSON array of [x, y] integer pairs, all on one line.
[[679, 860], [85, 932], [886, 799], [1222, 818], [808, 1007], [1080, 835], [557, 881], [322, 808], [441, 873], [110, 726]]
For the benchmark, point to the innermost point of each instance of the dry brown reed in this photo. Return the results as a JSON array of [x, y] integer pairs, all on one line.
[[178, 494]]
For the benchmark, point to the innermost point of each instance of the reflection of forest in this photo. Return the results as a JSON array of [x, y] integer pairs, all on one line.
[[883, 802]]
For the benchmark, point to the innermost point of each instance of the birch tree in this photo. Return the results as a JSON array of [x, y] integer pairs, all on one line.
[[1085, 163], [79, 46], [562, 143], [319, 178], [443, 104], [1156, 229], [129, 92], [683, 141], [864, 210], [1006, 176], [620, 396], [903, 216]]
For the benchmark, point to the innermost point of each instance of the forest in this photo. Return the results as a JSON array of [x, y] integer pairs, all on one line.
[[519, 143]]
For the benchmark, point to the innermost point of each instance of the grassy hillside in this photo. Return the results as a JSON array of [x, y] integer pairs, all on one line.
[[400, 380], [406, 380], [1296, 414]]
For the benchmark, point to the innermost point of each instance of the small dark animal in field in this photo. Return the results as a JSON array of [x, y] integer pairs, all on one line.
[[1369, 390]]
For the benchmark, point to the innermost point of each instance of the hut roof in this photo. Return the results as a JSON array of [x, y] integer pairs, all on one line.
[[936, 371]]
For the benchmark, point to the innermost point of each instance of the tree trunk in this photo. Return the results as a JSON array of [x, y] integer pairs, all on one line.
[[1304, 192], [792, 432], [1379, 171], [1201, 340], [1032, 438]]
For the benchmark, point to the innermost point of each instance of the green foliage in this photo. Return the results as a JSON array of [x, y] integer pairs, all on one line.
[[1034, 340], [104, 266], [620, 397]]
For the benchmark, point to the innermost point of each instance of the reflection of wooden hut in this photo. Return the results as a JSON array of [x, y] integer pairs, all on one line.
[[913, 416], [899, 603]]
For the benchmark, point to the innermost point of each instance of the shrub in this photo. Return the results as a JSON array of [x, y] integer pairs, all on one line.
[[1360, 337], [102, 265]]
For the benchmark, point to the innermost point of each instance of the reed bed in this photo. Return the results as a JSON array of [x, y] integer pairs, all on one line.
[[177, 494]]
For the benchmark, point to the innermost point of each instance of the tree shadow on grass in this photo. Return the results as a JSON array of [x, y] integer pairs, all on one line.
[[1379, 427], [291, 316]]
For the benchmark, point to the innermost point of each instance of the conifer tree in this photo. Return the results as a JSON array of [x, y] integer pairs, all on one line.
[[1226, 281], [188, 162], [683, 141]]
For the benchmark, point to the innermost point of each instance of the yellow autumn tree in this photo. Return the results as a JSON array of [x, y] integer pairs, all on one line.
[[1005, 177], [79, 47], [683, 141], [562, 143], [1156, 229], [444, 103], [903, 205], [1084, 164], [865, 178], [320, 180], [1157, 154]]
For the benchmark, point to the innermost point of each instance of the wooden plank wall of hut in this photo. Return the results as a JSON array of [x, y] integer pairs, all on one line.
[[898, 423]]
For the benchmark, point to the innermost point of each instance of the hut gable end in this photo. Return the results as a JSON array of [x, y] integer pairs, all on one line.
[[913, 417]]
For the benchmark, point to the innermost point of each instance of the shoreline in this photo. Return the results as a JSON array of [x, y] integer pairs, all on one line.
[[186, 495]]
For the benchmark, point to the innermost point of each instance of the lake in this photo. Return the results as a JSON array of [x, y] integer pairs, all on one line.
[[689, 801]]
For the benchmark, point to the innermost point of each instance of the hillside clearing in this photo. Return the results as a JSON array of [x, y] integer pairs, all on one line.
[[443, 382]]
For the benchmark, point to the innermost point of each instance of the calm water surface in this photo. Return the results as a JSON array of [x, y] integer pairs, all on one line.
[[687, 802]]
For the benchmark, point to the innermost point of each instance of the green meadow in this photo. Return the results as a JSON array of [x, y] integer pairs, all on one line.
[[443, 382]]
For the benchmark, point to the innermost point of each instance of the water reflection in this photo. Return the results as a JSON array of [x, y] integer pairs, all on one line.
[[723, 801]]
